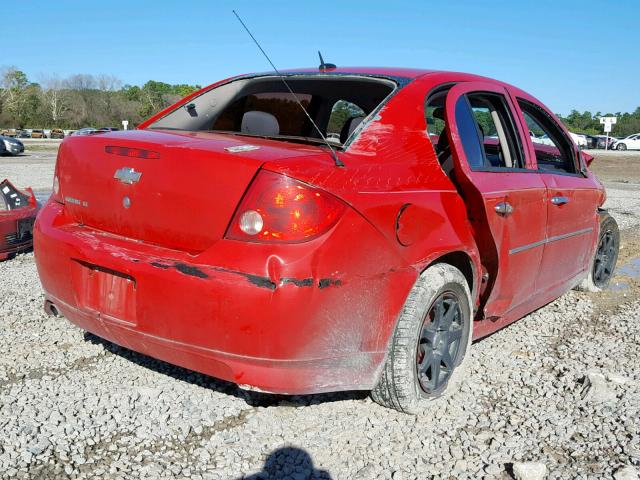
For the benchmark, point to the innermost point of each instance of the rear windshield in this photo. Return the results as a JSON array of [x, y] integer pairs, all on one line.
[[264, 107]]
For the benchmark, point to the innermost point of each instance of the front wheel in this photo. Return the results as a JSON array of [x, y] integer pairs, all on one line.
[[429, 349], [621, 146], [605, 258]]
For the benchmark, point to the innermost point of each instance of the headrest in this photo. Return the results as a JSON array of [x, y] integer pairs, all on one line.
[[259, 123], [349, 126], [438, 113], [354, 122]]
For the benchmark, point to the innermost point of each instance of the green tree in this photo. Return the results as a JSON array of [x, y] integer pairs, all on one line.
[[14, 94], [586, 122]]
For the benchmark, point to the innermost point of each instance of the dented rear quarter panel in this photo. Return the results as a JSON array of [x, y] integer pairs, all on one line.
[[394, 180]]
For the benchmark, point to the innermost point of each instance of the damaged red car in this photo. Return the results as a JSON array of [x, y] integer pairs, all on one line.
[[18, 211], [355, 234]]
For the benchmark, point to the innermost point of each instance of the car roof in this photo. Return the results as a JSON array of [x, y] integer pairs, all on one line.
[[381, 71], [401, 74]]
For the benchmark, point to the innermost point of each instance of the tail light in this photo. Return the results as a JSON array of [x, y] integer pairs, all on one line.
[[279, 209], [131, 152], [56, 194]]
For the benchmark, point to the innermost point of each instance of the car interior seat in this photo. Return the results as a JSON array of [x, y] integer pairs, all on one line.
[[348, 128], [443, 148], [259, 123]]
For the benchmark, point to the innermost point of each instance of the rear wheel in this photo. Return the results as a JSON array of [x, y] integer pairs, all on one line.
[[430, 344], [605, 258]]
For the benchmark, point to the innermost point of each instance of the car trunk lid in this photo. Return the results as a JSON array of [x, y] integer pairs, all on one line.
[[182, 195]]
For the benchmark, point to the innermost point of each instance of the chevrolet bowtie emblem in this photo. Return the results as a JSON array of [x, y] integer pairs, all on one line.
[[127, 175]]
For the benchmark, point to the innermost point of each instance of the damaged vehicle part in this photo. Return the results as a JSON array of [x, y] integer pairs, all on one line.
[[222, 219], [17, 215]]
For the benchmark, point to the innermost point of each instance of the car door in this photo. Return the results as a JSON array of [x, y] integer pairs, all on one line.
[[634, 143], [573, 198], [504, 195]]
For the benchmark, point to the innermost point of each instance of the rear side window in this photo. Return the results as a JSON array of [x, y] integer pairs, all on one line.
[[435, 121], [488, 133], [500, 142], [554, 152]]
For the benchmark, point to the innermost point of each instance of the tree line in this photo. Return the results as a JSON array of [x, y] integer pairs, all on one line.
[[103, 101], [589, 123], [80, 100]]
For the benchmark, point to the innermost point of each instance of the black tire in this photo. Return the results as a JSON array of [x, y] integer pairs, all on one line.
[[605, 257], [441, 291], [621, 146]]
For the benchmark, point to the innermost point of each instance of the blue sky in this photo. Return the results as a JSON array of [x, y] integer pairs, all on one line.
[[560, 51]]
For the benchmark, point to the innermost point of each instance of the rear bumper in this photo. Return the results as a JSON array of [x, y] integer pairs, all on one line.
[[282, 322], [286, 376]]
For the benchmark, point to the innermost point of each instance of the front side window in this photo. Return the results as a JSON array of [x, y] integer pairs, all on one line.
[[501, 145], [488, 133], [554, 152]]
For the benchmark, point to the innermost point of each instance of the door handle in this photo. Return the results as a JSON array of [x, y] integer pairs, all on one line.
[[559, 200], [503, 208]]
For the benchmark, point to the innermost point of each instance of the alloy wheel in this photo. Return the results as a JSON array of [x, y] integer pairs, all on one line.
[[605, 259], [439, 346]]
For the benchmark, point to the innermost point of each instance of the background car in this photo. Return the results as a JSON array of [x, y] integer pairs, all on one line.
[[84, 131], [580, 139], [592, 141], [605, 142], [540, 139], [632, 142], [8, 132], [56, 133], [12, 146], [23, 134], [36, 133]]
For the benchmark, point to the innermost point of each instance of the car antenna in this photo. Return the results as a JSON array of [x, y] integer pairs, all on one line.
[[334, 155], [325, 66]]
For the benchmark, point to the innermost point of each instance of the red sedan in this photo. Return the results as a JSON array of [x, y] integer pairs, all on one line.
[[17, 214], [321, 241]]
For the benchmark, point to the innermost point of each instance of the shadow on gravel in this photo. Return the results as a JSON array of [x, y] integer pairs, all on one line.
[[254, 399], [289, 462]]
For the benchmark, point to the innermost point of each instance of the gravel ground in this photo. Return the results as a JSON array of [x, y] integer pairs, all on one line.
[[32, 169], [560, 388]]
